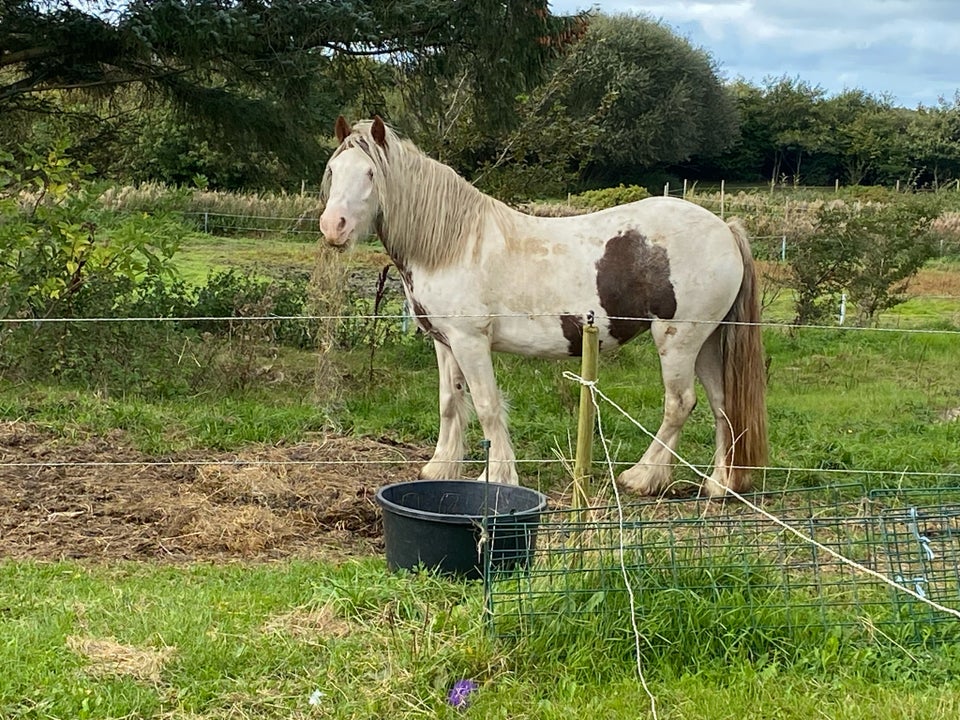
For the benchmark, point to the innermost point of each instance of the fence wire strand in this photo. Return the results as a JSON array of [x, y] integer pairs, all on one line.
[[461, 316]]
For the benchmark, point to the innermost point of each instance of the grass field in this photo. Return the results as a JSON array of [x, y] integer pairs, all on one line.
[[239, 641], [297, 637]]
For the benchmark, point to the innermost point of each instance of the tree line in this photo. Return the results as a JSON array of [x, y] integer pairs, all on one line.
[[241, 94]]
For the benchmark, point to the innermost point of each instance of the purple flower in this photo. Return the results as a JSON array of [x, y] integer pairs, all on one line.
[[460, 692]]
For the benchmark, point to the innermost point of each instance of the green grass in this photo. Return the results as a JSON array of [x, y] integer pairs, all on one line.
[[213, 420], [839, 401], [257, 641], [202, 253]]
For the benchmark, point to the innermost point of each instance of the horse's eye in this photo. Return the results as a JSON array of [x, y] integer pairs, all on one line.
[[370, 174]]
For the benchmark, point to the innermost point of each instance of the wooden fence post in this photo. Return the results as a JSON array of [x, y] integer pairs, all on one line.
[[582, 480]]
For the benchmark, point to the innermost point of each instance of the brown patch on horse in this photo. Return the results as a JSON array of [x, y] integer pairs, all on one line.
[[378, 131], [424, 323], [419, 311], [341, 129], [572, 326], [633, 281]]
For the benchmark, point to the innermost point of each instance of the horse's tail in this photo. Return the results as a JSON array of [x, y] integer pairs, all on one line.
[[744, 373]]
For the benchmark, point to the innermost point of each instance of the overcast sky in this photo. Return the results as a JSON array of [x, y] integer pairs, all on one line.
[[909, 49]]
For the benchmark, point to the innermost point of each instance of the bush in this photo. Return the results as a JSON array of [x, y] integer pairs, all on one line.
[[107, 355], [56, 241], [73, 270], [609, 197], [162, 358], [869, 252], [231, 293], [867, 193]]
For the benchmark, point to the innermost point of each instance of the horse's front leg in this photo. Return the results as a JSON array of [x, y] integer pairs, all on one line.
[[472, 354], [454, 415]]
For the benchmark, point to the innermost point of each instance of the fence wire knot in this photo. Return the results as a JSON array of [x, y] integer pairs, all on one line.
[[569, 375]]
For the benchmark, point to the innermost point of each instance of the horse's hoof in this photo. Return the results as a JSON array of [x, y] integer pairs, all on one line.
[[645, 480], [437, 470]]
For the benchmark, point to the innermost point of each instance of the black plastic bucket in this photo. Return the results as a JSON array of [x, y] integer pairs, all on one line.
[[438, 524]]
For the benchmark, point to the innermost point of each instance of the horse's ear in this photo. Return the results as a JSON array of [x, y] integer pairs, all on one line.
[[341, 129], [379, 131]]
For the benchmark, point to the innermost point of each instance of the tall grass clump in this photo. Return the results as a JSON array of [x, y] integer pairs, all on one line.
[[219, 211]]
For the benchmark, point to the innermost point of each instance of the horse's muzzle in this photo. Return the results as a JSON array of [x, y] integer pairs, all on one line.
[[335, 228]]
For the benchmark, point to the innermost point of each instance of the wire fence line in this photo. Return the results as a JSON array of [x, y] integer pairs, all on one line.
[[465, 463], [307, 225], [303, 225], [401, 317], [310, 217]]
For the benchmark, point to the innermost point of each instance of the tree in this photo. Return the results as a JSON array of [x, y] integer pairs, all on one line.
[[933, 142], [656, 100], [865, 138], [266, 73], [793, 114], [781, 127]]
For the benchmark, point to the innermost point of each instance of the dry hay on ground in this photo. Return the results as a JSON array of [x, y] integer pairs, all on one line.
[[310, 624], [98, 498], [108, 657]]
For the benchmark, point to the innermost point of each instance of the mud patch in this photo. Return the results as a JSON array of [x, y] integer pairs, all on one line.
[[97, 498]]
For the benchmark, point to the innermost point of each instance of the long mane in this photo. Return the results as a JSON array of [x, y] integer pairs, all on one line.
[[429, 214]]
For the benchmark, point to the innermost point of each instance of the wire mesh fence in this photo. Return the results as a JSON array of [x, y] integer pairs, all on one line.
[[730, 566]]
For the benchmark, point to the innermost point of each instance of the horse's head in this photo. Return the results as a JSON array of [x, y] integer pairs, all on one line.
[[349, 183]]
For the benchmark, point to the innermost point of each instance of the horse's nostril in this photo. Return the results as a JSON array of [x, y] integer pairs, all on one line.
[[342, 223]]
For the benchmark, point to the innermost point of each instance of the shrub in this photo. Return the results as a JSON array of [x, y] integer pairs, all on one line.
[[232, 293], [870, 252], [59, 241], [73, 270], [867, 193], [609, 197]]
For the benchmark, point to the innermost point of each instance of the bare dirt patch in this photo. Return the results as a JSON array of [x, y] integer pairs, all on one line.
[[97, 498]]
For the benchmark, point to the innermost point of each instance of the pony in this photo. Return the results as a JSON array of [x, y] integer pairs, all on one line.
[[481, 277]]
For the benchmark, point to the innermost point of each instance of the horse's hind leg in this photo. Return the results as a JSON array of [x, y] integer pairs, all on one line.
[[454, 415], [710, 371], [678, 346]]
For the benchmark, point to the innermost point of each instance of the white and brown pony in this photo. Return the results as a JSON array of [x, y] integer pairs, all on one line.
[[481, 276]]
